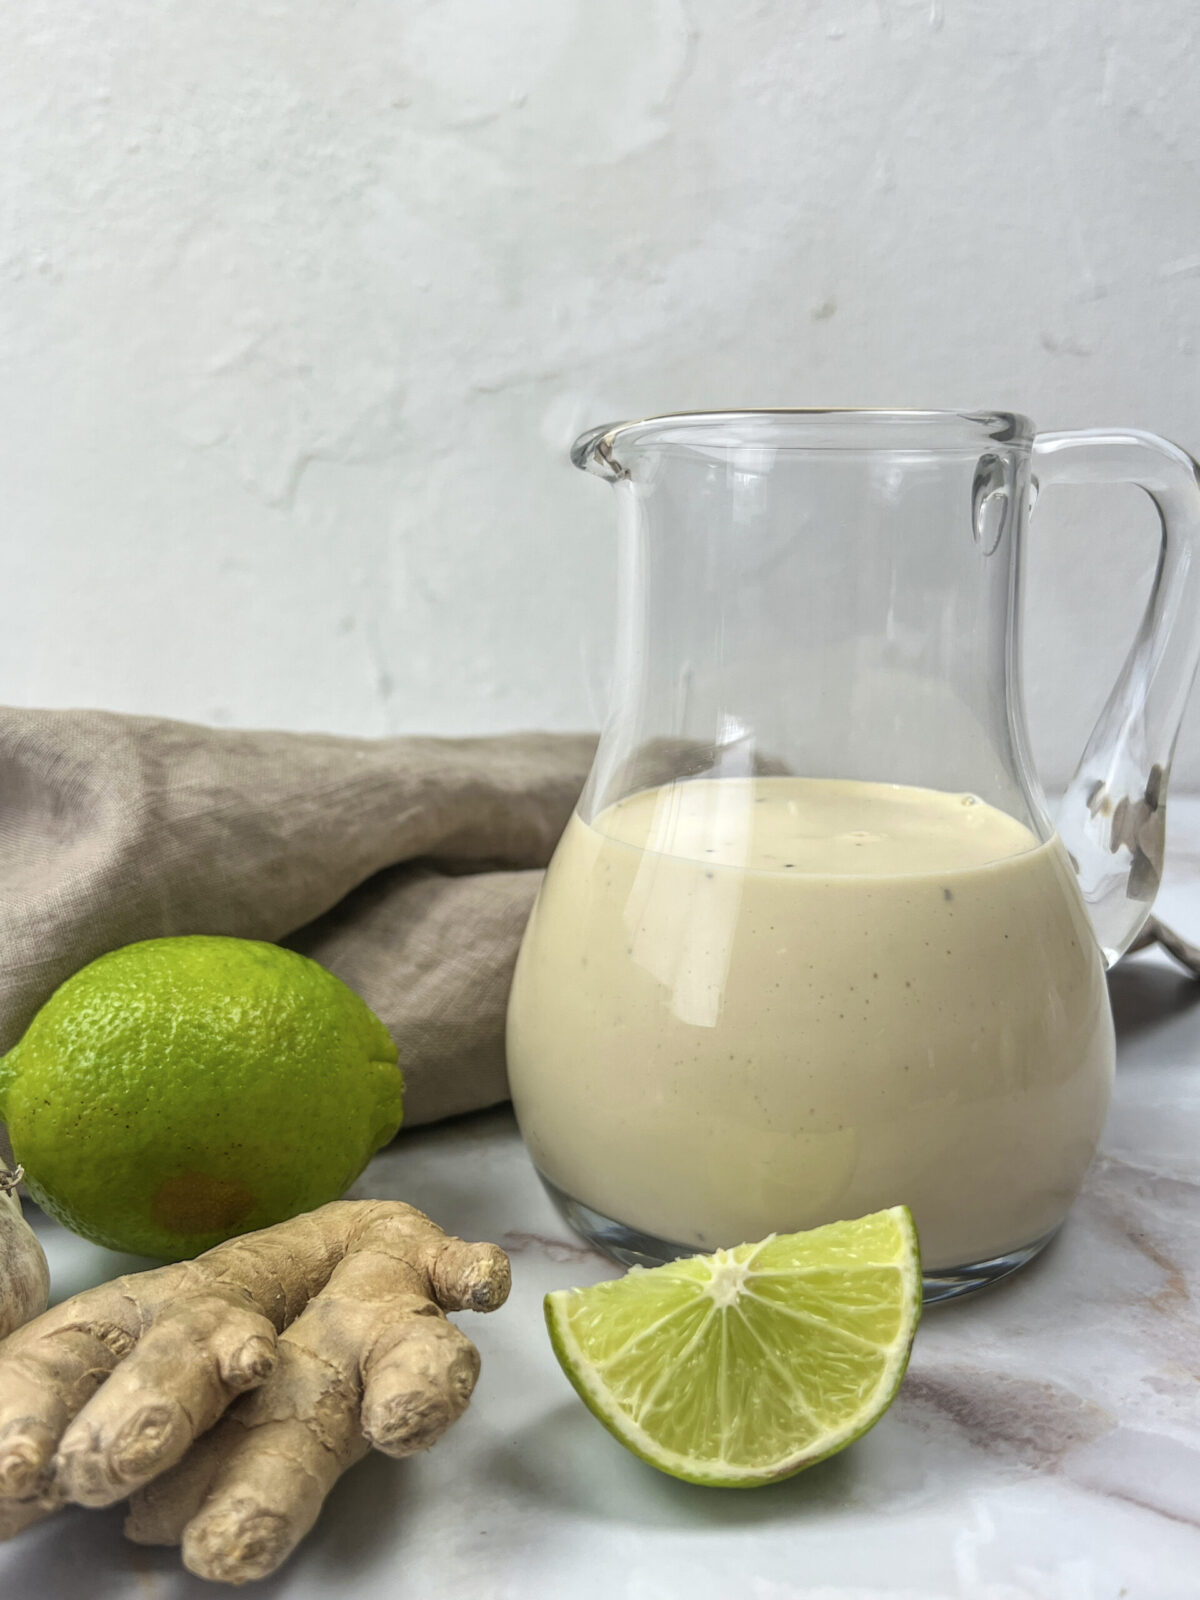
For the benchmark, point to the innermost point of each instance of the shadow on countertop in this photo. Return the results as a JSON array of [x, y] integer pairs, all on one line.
[[1149, 994]]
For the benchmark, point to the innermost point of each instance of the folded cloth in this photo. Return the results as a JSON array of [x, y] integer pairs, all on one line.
[[407, 866]]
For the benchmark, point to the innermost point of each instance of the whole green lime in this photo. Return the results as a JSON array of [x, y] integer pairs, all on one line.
[[178, 1091]]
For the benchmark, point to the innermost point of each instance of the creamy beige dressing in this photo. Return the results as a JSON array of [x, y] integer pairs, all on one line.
[[746, 1005]]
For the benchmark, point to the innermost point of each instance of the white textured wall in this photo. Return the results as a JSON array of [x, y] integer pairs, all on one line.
[[302, 300]]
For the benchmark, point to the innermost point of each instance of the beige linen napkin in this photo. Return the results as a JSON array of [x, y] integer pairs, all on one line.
[[407, 866]]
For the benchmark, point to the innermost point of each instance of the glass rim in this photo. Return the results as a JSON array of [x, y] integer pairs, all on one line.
[[802, 428]]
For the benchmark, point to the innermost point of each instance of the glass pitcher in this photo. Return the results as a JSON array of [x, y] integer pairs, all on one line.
[[810, 945]]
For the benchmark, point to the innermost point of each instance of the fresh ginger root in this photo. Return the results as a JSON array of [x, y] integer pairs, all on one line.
[[327, 1331]]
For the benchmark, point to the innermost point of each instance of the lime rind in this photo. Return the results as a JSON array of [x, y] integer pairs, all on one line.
[[645, 1378], [178, 1091]]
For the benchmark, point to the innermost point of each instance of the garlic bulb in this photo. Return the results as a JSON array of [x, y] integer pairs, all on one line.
[[24, 1275]]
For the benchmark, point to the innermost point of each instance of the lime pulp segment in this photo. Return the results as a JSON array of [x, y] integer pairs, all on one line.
[[748, 1365]]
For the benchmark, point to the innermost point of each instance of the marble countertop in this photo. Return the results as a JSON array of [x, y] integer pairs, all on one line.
[[1045, 1444]]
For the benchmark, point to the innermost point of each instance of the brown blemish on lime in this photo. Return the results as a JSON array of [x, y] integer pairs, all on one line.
[[194, 1202]]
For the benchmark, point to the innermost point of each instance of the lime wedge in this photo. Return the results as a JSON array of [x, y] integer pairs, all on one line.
[[743, 1367]]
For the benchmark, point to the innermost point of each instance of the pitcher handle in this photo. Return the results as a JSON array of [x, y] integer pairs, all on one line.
[[1113, 814]]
